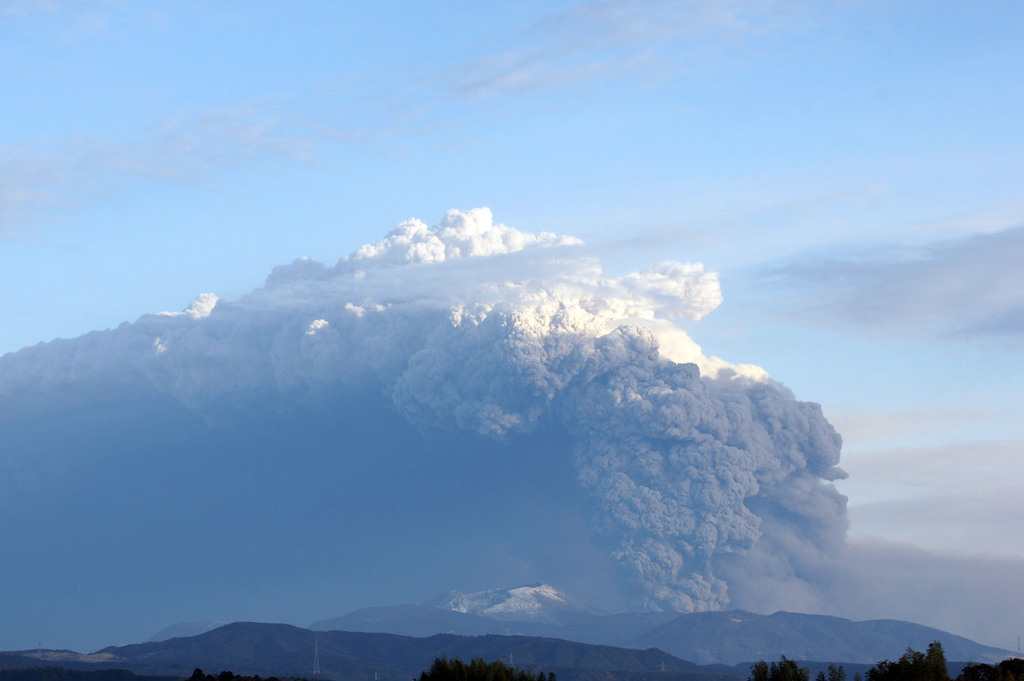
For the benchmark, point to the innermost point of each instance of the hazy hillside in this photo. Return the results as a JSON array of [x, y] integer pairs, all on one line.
[[736, 636], [728, 637], [425, 620], [414, 620], [181, 629], [284, 650], [533, 610]]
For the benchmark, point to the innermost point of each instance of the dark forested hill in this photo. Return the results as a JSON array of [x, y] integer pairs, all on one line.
[[284, 650], [715, 639], [16, 670]]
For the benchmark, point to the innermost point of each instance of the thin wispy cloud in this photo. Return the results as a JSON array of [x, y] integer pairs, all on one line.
[[583, 44], [967, 288], [1005, 326], [17, 8], [862, 428], [594, 41], [72, 20], [39, 181]]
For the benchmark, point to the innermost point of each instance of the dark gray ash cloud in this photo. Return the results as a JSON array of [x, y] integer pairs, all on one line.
[[685, 468]]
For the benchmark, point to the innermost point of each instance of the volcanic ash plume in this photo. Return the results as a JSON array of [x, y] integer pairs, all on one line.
[[477, 327]]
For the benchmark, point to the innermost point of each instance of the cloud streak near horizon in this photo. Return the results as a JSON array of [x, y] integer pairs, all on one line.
[[964, 288]]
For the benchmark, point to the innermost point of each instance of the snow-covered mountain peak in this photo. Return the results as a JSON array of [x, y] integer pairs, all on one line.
[[535, 602]]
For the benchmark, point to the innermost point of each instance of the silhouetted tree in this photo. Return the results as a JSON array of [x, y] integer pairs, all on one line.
[[198, 675], [783, 670], [759, 671], [477, 669], [913, 666], [836, 673], [1008, 670]]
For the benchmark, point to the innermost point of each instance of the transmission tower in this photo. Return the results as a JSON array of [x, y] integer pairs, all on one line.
[[316, 656]]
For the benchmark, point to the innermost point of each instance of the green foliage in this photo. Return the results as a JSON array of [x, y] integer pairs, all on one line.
[[913, 666], [786, 670], [444, 669]]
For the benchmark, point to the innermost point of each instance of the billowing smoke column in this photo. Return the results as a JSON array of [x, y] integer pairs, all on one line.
[[474, 326]]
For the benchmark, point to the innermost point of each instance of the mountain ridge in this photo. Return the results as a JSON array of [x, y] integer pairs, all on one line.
[[727, 637], [736, 636], [283, 650]]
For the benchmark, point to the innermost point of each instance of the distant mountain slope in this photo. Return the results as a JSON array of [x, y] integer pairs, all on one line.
[[735, 636], [532, 610], [17, 660], [729, 637], [182, 629], [426, 620], [413, 620], [284, 650]]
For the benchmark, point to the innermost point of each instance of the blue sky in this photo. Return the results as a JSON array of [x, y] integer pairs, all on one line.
[[850, 169]]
